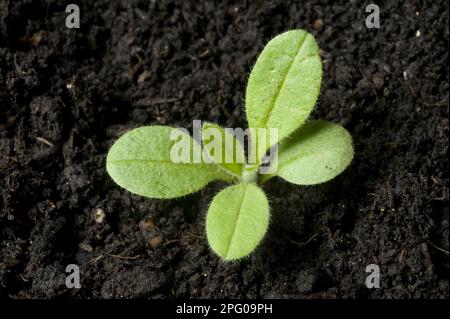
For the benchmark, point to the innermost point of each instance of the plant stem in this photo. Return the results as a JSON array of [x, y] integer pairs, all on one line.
[[250, 174]]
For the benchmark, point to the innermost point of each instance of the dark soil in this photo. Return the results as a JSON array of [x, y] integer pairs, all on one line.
[[67, 94]]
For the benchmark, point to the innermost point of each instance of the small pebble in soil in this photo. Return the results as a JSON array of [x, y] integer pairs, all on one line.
[[155, 242], [86, 247], [146, 224], [144, 76], [99, 215], [318, 24]]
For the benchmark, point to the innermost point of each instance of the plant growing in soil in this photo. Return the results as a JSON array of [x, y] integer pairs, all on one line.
[[282, 90]]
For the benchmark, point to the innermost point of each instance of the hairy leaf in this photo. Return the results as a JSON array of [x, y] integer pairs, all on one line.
[[223, 148], [237, 220], [140, 161], [284, 84], [316, 153]]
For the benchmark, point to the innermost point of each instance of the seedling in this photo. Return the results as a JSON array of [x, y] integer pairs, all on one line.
[[282, 90]]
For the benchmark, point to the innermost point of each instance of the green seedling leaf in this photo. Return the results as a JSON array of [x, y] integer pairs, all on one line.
[[316, 153], [222, 147], [237, 220], [140, 161], [282, 90], [284, 84]]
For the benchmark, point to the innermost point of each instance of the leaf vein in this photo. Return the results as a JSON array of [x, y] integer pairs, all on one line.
[[277, 93], [236, 221]]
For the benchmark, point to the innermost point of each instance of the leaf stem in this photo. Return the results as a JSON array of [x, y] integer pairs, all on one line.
[[250, 174]]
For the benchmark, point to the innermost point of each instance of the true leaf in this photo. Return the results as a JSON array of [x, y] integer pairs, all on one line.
[[237, 220], [284, 84], [223, 148], [140, 162], [316, 153]]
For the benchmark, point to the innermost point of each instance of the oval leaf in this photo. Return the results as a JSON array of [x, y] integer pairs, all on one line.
[[285, 82], [223, 148], [140, 161], [316, 153], [237, 220]]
